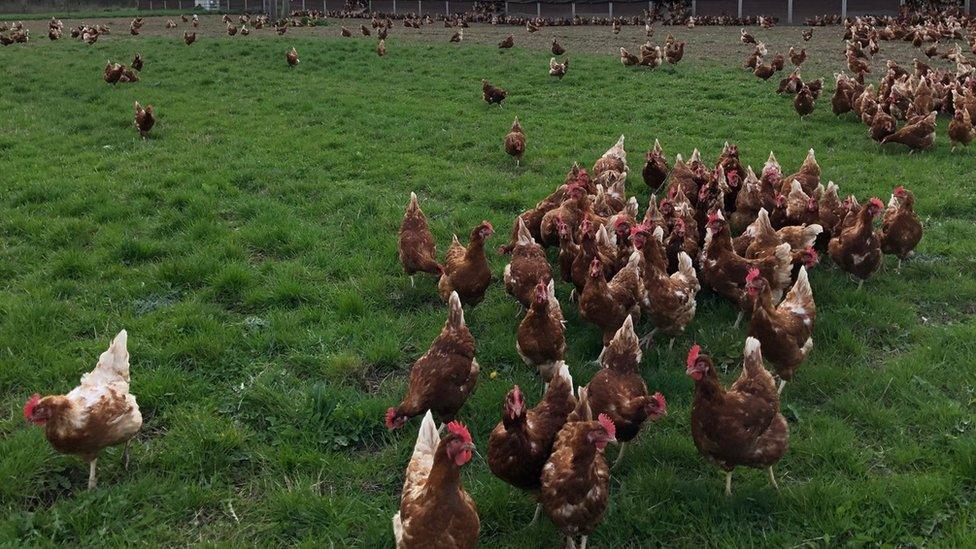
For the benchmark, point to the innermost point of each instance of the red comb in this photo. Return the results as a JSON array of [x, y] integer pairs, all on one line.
[[713, 216], [390, 416], [661, 403], [460, 431], [30, 405], [622, 221], [753, 274], [693, 354], [900, 190], [877, 203], [811, 251], [607, 423]]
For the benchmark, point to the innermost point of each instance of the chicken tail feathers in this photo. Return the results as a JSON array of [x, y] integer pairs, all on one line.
[[686, 269], [784, 266], [455, 317], [427, 437], [801, 291], [113, 364]]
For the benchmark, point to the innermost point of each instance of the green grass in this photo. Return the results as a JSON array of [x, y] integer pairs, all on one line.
[[249, 247]]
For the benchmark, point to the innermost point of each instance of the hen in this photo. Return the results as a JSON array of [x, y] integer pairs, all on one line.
[[529, 266], [576, 480], [466, 270], [608, 305], [656, 168], [515, 142], [742, 425], [558, 69], [619, 391], [785, 330], [918, 134], [669, 301], [292, 58], [724, 271], [540, 338], [112, 72], [628, 59], [98, 413], [857, 248], [435, 510], [615, 159], [557, 48], [416, 246], [442, 379], [492, 94], [901, 229], [145, 119], [521, 443], [961, 129]]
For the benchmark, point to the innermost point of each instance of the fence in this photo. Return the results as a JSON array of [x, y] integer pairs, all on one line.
[[788, 11]]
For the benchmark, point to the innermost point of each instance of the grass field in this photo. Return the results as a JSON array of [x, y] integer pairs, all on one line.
[[249, 248]]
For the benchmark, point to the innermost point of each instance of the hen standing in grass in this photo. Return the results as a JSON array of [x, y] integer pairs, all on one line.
[[145, 119], [857, 249], [515, 142], [442, 379], [466, 270], [540, 338], [529, 265], [521, 443], [784, 330], [619, 391], [416, 246], [435, 510], [492, 94], [558, 69], [576, 480], [918, 134], [99, 413], [292, 58], [901, 229], [742, 425]]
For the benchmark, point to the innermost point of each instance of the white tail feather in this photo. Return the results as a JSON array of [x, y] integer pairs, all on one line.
[[113, 364], [427, 437]]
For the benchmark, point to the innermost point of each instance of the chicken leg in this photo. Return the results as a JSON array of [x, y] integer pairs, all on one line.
[[646, 341], [738, 319], [92, 479], [772, 478], [535, 516], [859, 284], [125, 455], [620, 456], [728, 483], [411, 281], [782, 384], [583, 542]]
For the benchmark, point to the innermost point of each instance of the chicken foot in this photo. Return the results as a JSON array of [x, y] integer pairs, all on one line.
[[728, 483]]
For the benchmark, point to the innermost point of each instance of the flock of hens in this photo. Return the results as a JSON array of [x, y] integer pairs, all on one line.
[[915, 97], [749, 238]]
